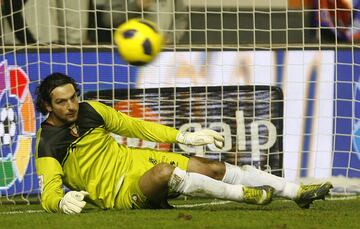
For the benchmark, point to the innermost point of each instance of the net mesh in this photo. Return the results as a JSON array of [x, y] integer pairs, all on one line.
[[307, 49]]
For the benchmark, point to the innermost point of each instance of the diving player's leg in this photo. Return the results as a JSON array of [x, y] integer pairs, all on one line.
[[156, 182], [251, 176], [247, 175], [233, 174], [196, 176]]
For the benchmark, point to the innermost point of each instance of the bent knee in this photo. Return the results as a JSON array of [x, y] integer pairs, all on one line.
[[163, 171]]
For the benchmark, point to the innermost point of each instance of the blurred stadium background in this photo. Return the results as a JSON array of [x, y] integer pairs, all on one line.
[[280, 79]]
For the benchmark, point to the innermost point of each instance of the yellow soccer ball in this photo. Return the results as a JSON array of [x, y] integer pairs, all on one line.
[[138, 41]]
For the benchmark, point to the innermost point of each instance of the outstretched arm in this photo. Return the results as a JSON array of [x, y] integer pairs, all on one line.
[[125, 125]]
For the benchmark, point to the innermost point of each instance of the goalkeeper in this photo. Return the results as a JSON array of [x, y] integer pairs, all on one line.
[[74, 148]]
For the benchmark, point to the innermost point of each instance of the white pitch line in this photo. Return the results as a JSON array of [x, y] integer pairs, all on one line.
[[202, 204], [343, 197], [21, 212]]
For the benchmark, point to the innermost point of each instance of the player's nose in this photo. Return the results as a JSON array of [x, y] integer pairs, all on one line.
[[71, 106]]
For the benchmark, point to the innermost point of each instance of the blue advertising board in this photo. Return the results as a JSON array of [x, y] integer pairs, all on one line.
[[346, 160]]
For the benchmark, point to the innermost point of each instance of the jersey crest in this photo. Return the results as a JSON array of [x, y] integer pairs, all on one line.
[[74, 130]]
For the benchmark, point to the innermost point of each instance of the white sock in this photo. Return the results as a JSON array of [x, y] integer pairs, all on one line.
[[195, 184], [250, 176]]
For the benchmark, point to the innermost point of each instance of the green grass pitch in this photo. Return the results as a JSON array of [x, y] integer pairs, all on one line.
[[194, 213]]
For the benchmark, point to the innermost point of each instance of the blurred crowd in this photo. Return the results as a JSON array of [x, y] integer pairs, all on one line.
[[85, 21], [77, 22]]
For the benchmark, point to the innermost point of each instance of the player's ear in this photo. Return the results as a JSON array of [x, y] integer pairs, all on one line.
[[48, 107]]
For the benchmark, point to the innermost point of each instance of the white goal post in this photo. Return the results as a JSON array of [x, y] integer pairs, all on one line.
[[279, 78]]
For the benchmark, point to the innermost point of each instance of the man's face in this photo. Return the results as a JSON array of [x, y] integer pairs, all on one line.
[[64, 105]]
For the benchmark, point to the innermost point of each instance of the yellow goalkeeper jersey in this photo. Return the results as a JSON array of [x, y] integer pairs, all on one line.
[[83, 155]]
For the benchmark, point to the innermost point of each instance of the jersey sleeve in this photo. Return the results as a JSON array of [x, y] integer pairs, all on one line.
[[50, 174], [124, 125]]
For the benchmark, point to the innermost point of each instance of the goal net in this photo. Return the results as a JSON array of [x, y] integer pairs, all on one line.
[[279, 79]]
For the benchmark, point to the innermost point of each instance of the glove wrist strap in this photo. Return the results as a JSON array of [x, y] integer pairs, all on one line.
[[180, 138]]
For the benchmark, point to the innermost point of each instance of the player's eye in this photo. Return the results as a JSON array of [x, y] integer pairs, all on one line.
[[74, 97], [61, 102]]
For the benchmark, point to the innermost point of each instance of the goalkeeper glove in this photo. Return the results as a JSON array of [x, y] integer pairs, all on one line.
[[73, 202], [201, 137]]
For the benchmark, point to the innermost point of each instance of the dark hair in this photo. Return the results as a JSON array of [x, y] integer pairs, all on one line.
[[45, 88]]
